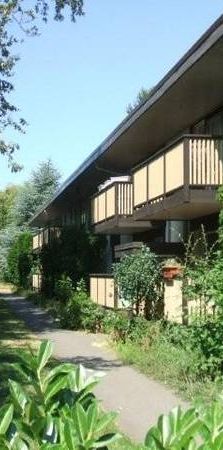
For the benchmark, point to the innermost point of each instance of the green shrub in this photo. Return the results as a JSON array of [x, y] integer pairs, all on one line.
[[141, 329], [19, 260], [138, 277], [64, 289], [194, 429], [117, 324], [81, 312], [55, 409], [75, 254], [206, 338]]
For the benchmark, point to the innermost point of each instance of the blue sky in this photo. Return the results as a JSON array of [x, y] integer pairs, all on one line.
[[73, 82]]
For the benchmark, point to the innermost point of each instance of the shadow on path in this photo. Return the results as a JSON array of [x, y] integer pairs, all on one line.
[[36, 319]]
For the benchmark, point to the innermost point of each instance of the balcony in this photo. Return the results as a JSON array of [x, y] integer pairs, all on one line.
[[45, 237], [180, 182], [112, 210]]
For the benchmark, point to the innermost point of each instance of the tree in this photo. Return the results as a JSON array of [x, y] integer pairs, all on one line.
[[7, 199], [36, 192], [18, 19], [75, 254], [138, 277], [19, 260], [7, 237], [142, 96]]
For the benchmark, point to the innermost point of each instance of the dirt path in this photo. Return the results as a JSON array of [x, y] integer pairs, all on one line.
[[138, 399]]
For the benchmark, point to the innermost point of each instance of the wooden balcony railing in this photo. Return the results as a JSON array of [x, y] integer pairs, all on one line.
[[44, 237], [113, 201], [191, 162]]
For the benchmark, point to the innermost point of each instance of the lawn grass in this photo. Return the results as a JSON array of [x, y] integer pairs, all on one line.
[[14, 336], [171, 366]]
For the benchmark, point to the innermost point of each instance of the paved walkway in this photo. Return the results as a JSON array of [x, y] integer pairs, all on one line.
[[138, 399]]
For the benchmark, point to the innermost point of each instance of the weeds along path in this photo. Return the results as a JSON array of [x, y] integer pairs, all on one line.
[[138, 399]]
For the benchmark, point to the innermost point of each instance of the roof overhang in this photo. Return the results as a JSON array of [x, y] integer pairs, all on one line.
[[192, 89]]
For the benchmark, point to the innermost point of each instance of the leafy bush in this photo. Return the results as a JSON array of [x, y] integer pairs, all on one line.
[[81, 312], [117, 325], [55, 409], [19, 260], [141, 329], [215, 282], [206, 338], [75, 254], [195, 429], [199, 260], [138, 277], [64, 289]]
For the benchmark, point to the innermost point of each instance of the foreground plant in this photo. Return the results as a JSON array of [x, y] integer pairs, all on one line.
[[55, 408], [195, 429]]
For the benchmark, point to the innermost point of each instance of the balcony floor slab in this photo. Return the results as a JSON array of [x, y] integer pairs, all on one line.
[[180, 206]]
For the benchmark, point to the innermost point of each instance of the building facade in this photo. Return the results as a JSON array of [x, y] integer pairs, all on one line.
[[154, 179]]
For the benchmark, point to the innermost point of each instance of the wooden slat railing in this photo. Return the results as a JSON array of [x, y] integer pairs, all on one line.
[[114, 200], [190, 161], [44, 237]]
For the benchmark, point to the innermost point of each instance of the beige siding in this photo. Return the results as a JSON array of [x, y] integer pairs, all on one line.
[[95, 210], [110, 293], [101, 207], [110, 202], [173, 300], [41, 239], [35, 241], [102, 290], [140, 186], [175, 167], [36, 282], [156, 178], [94, 289]]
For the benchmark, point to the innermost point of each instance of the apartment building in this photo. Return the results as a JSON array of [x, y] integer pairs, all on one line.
[[154, 179]]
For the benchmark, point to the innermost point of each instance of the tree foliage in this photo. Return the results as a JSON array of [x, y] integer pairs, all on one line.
[[138, 276], [7, 237], [36, 192], [19, 260], [7, 200], [75, 254], [19, 18], [142, 96]]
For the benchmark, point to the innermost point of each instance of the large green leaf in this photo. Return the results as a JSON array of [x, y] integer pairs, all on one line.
[[80, 422], [92, 417], [69, 435], [60, 369], [44, 354], [174, 431], [107, 439], [18, 394], [6, 416], [105, 420], [55, 387]]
